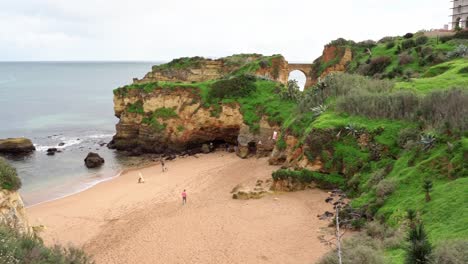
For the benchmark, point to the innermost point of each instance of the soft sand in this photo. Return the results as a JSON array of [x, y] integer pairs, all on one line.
[[120, 221]]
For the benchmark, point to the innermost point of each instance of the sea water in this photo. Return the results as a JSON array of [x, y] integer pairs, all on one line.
[[66, 103]]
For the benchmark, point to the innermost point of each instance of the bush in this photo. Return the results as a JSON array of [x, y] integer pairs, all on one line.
[[28, 249], [9, 179], [460, 52], [390, 45], [239, 86], [451, 252], [357, 249], [407, 134], [408, 35], [407, 44], [378, 65], [444, 39], [421, 40], [326, 181], [419, 250], [404, 59], [461, 35], [385, 188]]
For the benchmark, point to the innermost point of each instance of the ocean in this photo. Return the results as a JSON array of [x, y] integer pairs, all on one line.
[[63, 102]]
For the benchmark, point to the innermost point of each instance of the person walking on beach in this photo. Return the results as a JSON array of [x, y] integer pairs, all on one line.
[[184, 197], [163, 165]]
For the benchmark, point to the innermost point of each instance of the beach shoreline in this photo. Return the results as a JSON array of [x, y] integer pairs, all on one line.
[[121, 221]]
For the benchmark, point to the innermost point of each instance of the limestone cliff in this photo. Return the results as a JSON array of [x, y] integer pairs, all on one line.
[[12, 211], [335, 58], [198, 69]]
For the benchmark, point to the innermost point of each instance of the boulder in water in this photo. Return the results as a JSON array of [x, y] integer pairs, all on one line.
[[16, 146], [93, 160]]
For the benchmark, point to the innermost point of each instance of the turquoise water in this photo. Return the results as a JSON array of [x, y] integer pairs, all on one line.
[[63, 102]]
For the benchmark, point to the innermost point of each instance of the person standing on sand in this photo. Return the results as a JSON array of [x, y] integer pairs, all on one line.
[[184, 197], [163, 165]]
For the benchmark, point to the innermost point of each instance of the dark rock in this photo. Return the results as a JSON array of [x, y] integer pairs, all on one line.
[[50, 153], [102, 144], [52, 150], [93, 160], [16, 146], [329, 199], [61, 144], [205, 148]]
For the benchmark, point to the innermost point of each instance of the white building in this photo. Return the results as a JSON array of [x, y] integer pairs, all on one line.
[[460, 14]]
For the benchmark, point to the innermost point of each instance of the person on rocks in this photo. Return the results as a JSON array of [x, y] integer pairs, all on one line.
[[184, 197]]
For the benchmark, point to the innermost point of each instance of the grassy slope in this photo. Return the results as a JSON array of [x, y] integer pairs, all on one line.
[[444, 76]]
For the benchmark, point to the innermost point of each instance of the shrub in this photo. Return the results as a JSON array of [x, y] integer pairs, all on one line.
[[385, 188], [386, 39], [407, 134], [421, 40], [419, 250], [357, 249], [408, 35], [378, 65], [451, 252], [460, 52], [28, 249], [239, 86], [404, 59], [444, 39], [390, 45], [327, 181], [407, 44], [461, 35], [291, 92], [8, 177]]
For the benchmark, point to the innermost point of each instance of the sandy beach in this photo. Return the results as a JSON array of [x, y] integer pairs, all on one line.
[[121, 221]]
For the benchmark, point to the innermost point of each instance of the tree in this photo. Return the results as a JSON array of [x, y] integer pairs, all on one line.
[[419, 250], [427, 186]]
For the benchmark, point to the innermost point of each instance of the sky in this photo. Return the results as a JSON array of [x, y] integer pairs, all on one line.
[[157, 30]]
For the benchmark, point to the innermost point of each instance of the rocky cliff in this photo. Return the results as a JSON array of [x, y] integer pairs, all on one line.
[[168, 111], [12, 211], [198, 69]]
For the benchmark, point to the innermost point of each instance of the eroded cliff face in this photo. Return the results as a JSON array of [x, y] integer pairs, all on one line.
[[333, 59], [12, 212], [175, 121]]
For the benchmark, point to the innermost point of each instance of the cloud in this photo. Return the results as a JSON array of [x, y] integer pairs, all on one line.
[[161, 30]]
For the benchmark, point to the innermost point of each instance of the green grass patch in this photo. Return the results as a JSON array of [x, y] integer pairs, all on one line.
[[449, 77], [165, 113]]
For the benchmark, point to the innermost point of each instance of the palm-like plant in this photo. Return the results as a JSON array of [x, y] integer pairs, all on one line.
[[427, 186], [352, 130], [318, 110], [427, 140], [411, 215], [420, 248]]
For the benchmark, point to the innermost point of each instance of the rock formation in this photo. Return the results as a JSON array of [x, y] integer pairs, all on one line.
[[159, 119], [16, 146], [12, 211], [93, 160]]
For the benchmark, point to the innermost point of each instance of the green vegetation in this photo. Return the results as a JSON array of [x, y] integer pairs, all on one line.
[[181, 63], [136, 107], [327, 181], [29, 249], [165, 113], [441, 77], [9, 179]]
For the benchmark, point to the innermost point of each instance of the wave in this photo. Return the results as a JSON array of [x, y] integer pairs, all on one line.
[[71, 141]]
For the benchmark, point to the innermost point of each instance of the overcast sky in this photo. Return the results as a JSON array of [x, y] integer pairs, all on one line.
[[164, 29]]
